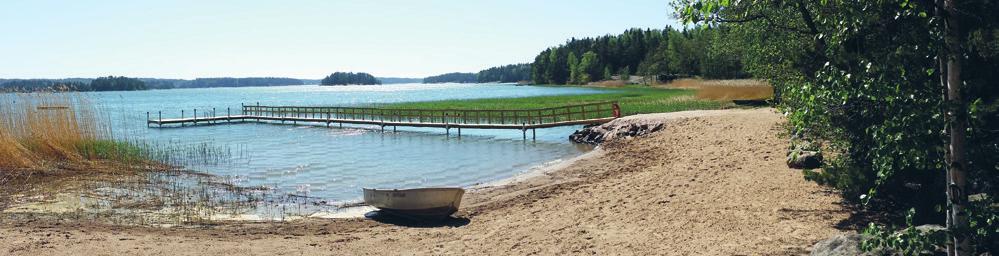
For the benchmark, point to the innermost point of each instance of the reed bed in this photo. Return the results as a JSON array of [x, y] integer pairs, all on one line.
[[36, 128], [726, 90], [59, 145], [735, 92]]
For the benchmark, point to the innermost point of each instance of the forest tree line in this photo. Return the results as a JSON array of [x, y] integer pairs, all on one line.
[[159, 83], [502, 74], [455, 77], [126, 84], [110, 83], [240, 82], [506, 74], [699, 51]]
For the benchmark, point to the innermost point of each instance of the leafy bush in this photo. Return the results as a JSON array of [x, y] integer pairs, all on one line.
[[907, 241], [865, 76]]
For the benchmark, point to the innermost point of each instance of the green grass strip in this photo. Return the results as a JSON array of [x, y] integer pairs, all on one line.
[[632, 99]]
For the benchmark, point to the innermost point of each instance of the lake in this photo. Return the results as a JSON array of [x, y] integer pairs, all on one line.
[[334, 163]]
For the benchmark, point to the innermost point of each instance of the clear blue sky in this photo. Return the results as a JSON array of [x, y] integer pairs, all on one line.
[[301, 39]]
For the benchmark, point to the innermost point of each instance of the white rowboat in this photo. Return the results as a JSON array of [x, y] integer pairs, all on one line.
[[419, 202]]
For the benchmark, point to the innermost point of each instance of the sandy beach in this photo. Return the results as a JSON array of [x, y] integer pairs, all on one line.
[[709, 183]]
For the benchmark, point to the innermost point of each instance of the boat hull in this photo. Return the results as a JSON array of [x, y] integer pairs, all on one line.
[[421, 202]]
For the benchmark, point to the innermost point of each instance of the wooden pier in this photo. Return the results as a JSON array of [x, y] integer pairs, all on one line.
[[524, 119]]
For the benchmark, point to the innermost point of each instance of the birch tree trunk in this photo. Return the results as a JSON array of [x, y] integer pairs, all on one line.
[[958, 219]]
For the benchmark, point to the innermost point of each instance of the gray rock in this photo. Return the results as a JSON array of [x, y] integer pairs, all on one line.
[[930, 229], [804, 159], [845, 244]]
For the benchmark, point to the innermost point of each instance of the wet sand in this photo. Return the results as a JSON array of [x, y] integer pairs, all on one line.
[[709, 183]]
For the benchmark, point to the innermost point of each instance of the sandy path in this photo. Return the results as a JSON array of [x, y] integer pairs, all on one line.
[[711, 182]]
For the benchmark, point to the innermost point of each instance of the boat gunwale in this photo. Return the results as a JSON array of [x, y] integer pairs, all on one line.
[[414, 189]]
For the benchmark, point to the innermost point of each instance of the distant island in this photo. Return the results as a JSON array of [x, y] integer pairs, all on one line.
[[119, 83], [112, 83], [349, 78], [452, 78]]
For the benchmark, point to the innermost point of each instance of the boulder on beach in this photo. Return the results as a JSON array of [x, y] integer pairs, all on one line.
[[845, 244], [804, 159], [803, 154]]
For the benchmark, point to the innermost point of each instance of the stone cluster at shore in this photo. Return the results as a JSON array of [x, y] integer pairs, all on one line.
[[599, 133]]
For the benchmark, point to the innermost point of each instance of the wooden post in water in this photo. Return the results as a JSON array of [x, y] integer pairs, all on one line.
[[523, 129], [213, 116], [161, 117], [147, 119], [181, 117], [534, 134], [195, 116]]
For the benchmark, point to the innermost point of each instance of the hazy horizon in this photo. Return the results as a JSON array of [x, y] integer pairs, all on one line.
[[306, 40]]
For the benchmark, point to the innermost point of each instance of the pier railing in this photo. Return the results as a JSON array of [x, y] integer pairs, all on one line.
[[541, 116]]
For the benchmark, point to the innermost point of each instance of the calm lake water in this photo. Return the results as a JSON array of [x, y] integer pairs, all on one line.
[[333, 163]]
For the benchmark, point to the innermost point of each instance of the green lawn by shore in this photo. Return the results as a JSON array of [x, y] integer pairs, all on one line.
[[632, 99]]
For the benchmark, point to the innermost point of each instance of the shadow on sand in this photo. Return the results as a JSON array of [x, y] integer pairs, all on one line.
[[393, 219]]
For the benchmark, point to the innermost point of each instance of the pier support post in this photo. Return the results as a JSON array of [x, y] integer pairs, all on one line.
[[213, 116], [523, 129], [534, 134], [393, 128], [161, 117], [447, 130], [147, 119], [459, 132], [195, 116], [181, 117], [228, 115]]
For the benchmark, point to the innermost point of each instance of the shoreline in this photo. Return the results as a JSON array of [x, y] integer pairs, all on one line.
[[534, 173], [711, 182]]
